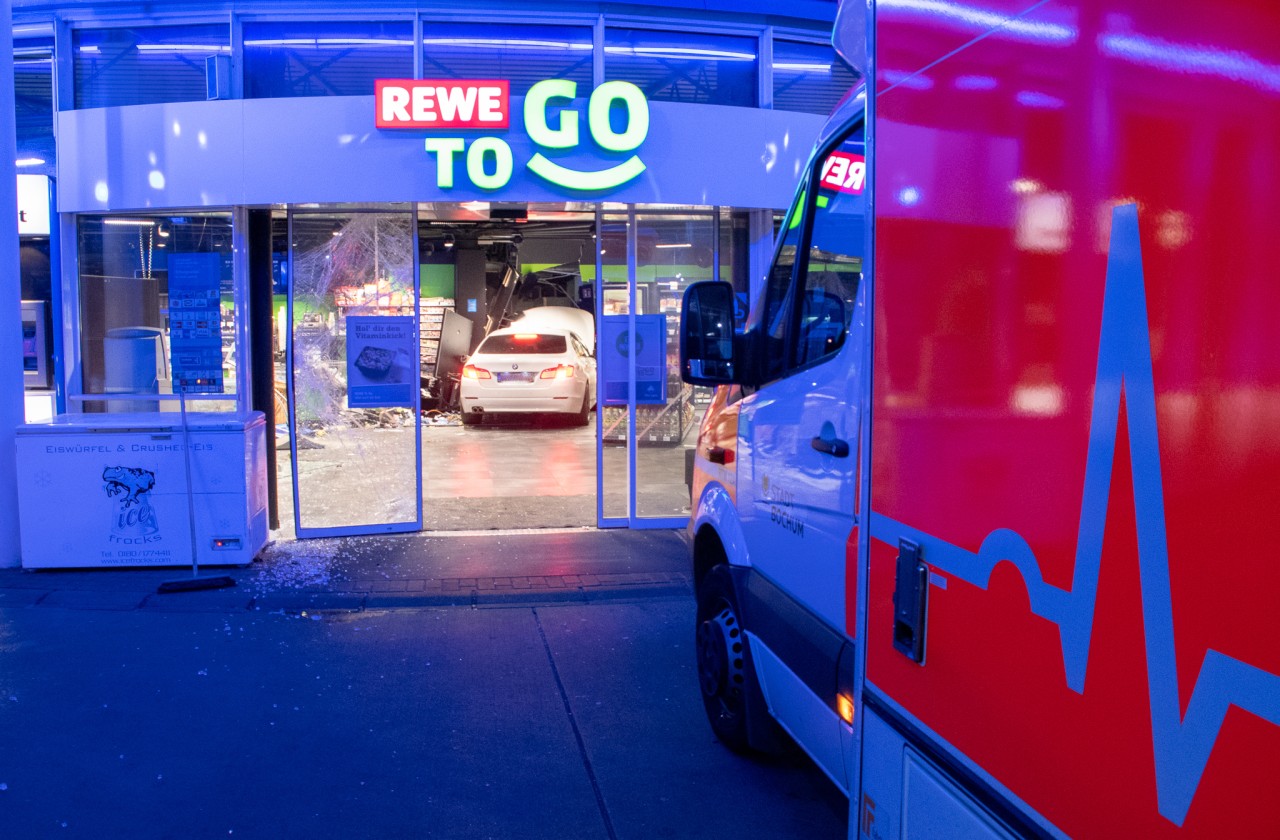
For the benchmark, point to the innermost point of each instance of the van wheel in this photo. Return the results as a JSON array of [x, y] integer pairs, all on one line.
[[471, 418], [724, 670]]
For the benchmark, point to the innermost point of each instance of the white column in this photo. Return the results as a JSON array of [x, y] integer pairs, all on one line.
[[12, 410]]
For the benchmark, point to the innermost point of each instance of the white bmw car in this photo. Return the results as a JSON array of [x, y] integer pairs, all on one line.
[[524, 371]]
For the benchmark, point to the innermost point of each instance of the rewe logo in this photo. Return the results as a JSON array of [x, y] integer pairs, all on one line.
[[549, 120]]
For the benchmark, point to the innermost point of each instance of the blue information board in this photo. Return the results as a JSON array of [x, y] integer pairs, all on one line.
[[195, 323], [381, 365], [648, 344]]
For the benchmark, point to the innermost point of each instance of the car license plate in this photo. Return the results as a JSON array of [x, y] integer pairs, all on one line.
[[519, 376]]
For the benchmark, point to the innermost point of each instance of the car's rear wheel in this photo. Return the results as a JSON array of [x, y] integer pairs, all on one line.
[[471, 418], [583, 416]]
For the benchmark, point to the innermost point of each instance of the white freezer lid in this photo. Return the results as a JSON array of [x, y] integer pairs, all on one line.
[[143, 423]]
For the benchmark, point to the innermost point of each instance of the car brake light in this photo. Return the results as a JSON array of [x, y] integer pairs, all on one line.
[[525, 336], [557, 372], [473, 372]]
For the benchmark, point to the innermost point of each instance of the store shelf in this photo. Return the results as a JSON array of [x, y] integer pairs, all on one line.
[[431, 321]]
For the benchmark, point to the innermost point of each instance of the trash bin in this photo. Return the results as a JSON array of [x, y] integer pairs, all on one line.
[[132, 356]]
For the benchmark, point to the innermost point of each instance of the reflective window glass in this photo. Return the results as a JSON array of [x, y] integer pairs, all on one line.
[[324, 59], [532, 343], [833, 265], [684, 67], [808, 77], [139, 66], [140, 278], [524, 55], [33, 102]]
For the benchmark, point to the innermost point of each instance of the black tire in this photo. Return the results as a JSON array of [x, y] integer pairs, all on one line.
[[725, 673], [471, 418], [583, 417]]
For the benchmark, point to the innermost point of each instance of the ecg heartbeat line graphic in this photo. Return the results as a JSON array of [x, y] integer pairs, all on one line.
[[1181, 744]]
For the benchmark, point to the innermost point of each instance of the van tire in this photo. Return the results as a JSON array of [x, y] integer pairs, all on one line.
[[471, 418], [726, 675]]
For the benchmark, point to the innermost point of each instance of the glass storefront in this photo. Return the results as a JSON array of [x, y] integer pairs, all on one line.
[[552, 209], [141, 277]]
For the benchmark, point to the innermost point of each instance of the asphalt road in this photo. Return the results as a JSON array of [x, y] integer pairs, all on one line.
[[526, 718]]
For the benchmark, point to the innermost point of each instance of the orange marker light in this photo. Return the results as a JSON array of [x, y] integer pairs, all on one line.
[[844, 706]]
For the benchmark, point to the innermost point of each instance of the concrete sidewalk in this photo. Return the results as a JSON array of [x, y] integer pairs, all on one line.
[[536, 685], [382, 572]]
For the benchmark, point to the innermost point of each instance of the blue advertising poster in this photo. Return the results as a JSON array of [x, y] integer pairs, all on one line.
[[381, 365], [195, 323], [649, 344]]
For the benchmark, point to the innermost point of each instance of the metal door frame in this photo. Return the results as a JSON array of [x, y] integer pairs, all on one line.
[[632, 519]]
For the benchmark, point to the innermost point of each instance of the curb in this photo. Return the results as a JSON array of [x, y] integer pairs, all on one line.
[[239, 599]]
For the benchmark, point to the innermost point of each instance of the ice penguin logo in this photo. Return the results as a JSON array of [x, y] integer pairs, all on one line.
[[133, 520]]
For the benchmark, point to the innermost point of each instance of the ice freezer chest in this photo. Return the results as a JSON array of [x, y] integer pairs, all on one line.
[[111, 490]]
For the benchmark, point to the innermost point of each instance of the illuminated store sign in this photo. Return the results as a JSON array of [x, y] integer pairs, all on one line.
[[442, 103], [551, 124], [33, 204]]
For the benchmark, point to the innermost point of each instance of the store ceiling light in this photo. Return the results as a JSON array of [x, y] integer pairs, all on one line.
[[133, 222], [675, 245], [31, 161], [507, 43], [448, 240]]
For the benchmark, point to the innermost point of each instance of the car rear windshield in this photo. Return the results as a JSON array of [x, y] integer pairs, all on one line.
[[524, 343]]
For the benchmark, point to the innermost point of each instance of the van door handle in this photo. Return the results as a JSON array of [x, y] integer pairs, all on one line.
[[831, 446]]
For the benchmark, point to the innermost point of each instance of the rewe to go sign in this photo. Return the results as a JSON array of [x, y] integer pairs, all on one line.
[[549, 120]]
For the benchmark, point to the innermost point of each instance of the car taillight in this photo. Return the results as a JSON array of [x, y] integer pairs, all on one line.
[[473, 372], [557, 372]]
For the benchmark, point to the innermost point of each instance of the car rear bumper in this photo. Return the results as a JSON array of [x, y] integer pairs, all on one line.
[[530, 398]]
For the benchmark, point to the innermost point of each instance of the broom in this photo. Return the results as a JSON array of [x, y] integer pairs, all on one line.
[[195, 582]]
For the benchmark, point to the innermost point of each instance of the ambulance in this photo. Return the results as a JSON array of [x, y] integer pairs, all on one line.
[[984, 506]]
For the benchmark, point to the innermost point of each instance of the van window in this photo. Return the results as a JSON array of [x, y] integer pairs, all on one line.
[[828, 280], [774, 314]]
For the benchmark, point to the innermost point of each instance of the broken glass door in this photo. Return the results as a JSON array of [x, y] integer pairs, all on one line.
[[353, 363]]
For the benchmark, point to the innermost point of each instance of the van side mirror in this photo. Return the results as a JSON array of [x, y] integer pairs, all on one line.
[[706, 334]]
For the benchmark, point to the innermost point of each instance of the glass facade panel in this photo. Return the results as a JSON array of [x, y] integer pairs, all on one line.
[[354, 370], [33, 103], [672, 251], [523, 54], [324, 59], [684, 66], [138, 275], [139, 66], [808, 77]]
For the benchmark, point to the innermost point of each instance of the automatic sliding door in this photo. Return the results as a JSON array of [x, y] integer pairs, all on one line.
[[354, 373], [673, 250], [648, 416]]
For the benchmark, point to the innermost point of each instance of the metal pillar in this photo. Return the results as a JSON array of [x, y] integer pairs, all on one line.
[[12, 406]]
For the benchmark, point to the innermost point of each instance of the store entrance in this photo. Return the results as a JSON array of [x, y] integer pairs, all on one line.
[[443, 372], [508, 332]]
